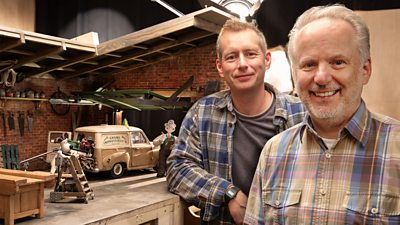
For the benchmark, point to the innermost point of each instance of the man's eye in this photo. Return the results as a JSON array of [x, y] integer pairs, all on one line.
[[308, 65], [251, 54], [230, 58], [339, 62]]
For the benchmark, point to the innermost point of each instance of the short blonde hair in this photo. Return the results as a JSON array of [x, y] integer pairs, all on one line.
[[236, 25]]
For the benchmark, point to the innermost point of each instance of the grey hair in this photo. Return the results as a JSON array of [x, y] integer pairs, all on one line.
[[236, 25], [336, 11]]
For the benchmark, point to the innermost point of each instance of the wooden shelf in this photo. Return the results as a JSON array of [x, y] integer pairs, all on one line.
[[24, 99], [38, 101]]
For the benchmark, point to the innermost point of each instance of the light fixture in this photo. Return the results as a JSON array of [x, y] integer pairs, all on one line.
[[169, 7]]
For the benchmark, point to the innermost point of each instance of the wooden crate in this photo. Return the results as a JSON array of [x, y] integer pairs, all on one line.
[[1, 159], [22, 194]]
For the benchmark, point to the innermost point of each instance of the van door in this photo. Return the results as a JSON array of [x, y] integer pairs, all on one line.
[[142, 153]]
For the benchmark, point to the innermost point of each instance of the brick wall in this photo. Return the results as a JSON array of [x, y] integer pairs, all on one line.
[[173, 72]]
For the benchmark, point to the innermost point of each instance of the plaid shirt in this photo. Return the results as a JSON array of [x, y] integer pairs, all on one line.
[[199, 168], [300, 181]]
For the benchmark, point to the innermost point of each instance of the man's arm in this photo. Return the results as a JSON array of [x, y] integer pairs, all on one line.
[[237, 207], [187, 175]]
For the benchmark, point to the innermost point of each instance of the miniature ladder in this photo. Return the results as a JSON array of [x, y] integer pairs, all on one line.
[[77, 175]]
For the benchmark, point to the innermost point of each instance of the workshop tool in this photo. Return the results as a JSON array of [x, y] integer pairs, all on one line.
[[11, 123], [21, 122], [3, 115], [71, 180], [30, 121]]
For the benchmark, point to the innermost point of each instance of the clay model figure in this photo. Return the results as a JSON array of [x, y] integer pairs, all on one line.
[[167, 142]]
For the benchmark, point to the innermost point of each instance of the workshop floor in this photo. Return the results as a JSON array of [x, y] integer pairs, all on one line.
[[137, 189]]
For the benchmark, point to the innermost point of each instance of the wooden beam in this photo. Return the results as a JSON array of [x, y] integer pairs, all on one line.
[[63, 64], [136, 55], [9, 44], [39, 55]]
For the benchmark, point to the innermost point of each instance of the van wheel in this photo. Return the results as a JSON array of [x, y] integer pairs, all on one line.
[[117, 171]]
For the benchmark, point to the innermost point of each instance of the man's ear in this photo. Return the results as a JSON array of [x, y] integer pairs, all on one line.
[[267, 59], [219, 67], [366, 71]]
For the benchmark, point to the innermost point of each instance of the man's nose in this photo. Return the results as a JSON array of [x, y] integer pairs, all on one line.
[[242, 60], [323, 74]]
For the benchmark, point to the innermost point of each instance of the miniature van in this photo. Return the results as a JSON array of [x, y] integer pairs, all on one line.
[[115, 148]]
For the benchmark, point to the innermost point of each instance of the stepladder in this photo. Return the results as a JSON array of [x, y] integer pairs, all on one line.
[[71, 180]]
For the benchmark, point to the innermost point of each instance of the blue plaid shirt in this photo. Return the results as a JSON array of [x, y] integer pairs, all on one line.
[[199, 167]]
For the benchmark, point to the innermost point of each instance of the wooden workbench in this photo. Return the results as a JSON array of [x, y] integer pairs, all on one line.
[[22, 194], [138, 199]]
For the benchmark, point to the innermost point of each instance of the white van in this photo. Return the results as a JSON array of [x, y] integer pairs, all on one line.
[[114, 148]]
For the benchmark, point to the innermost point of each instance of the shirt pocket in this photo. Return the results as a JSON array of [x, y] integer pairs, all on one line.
[[281, 206], [372, 208]]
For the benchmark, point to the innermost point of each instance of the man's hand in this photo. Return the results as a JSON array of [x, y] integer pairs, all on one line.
[[237, 207]]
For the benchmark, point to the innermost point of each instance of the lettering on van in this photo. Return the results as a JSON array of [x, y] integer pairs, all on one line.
[[109, 140]]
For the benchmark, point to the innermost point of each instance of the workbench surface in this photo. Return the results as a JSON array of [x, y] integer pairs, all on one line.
[[133, 199]]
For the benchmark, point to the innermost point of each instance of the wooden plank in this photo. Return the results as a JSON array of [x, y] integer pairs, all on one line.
[[67, 62], [160, 29], [90, 38], [141, 53], [40, 55], [9, 210], [1, 159], [40, 175], [207, 25], [9, 44], [40, 200], [145, 34], [10, 184], [46, 39], [26, 213]]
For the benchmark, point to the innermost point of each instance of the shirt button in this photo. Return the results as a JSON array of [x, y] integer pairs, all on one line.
[[277, 203], [374, 210], [328, 155], [322, 191]]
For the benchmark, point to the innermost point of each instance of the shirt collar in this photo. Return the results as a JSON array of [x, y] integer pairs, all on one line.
[[226, 100], [358, 126]]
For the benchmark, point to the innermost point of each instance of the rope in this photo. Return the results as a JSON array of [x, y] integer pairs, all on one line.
[[8, 77]]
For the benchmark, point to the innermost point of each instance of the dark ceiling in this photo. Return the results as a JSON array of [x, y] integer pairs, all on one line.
[[114, 18], [276, 17]]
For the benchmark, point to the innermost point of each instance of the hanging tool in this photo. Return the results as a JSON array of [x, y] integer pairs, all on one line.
[[11, 123], [30, 121], [21, 122], [3, 115]]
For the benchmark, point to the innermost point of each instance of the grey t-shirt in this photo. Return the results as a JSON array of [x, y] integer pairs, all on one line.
[[249, 137]]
